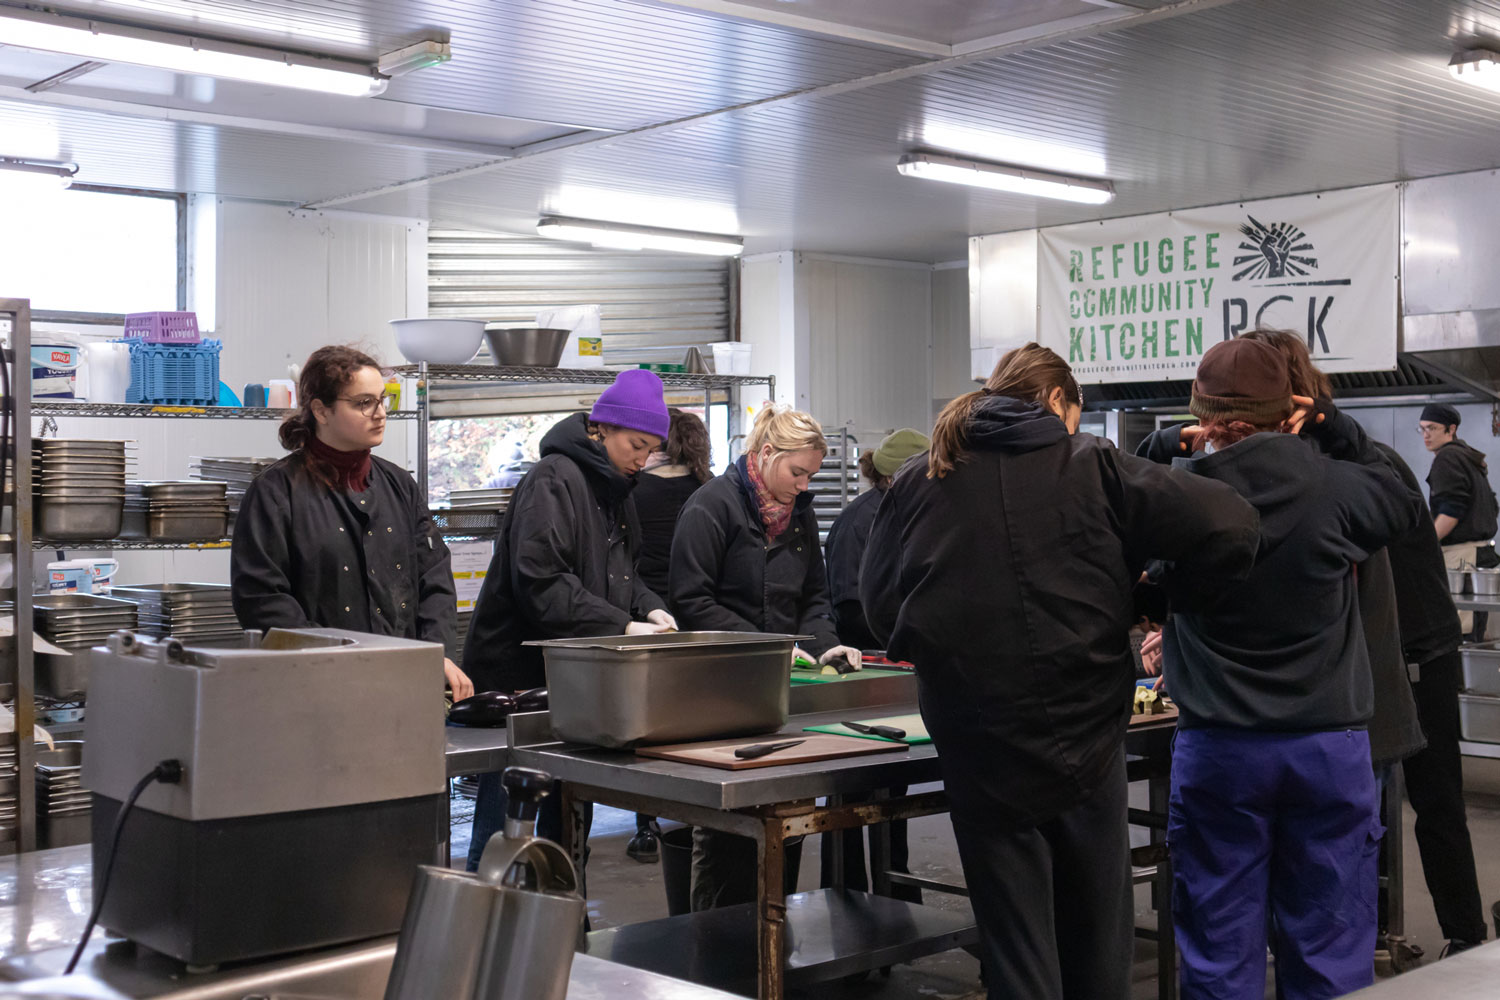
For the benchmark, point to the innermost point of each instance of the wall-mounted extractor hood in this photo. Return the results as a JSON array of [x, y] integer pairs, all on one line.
[[1460, 348]]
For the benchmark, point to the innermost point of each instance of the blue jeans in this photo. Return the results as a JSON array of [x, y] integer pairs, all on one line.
[[1282, 827]]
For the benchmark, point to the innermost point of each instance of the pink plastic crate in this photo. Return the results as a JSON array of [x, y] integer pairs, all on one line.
[[162, 327]]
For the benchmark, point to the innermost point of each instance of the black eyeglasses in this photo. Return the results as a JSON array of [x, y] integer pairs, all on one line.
[[366, 405]]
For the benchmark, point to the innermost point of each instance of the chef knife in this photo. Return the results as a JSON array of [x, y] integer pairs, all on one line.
[[889, 732], [761, 749]]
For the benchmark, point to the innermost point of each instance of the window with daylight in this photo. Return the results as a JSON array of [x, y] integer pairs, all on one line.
[[90, 250]]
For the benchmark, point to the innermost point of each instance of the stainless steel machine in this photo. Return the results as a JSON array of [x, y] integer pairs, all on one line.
[[312, 788]]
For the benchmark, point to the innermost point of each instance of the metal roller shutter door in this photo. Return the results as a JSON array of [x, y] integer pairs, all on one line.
[[653, 306]]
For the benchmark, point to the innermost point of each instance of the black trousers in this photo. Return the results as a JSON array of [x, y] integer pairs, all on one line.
[[854, 855], [1435, 786], [1053, 902]]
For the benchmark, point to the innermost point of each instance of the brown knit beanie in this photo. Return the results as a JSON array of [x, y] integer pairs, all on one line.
[[1242, 380]]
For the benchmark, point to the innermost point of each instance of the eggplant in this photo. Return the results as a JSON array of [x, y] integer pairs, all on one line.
[[534, 700], [488, 709]]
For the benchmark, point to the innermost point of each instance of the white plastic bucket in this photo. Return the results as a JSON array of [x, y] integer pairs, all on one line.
[[731, 358], [54, 369]]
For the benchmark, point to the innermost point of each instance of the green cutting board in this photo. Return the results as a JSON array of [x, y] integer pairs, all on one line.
[[801, 676], [916, 731]]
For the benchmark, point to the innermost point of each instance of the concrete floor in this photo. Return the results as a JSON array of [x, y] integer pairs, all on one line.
[[623, 891]]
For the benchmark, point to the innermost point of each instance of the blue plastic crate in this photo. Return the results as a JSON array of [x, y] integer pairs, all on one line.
[[174, 374]]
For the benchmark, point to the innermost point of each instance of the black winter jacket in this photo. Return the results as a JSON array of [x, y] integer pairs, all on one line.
[[1460, 485], [1285, 649], [307, 555], [843, 551], [725, 577], [1008, 584], [1424, 604], [564, 564], [658, 500]]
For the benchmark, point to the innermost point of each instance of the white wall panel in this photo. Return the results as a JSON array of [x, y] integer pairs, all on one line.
[[950, 333], [868, 328]]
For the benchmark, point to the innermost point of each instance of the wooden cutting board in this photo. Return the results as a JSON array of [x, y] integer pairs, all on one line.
[[816, 747]]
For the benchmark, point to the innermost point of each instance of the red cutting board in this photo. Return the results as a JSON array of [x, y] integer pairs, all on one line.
[[816, 746]]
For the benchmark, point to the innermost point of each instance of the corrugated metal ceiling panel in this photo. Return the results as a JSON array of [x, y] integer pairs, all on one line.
[[1251, 99], [596, 63], [653, 306]]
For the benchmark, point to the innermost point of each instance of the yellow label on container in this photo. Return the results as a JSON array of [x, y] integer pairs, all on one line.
[[591, 347]]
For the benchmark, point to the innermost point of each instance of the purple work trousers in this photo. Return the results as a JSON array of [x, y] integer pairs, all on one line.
[[1278, 830]]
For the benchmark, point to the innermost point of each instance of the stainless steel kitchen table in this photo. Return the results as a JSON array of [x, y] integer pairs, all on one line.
[[48, 895], [768, 805]]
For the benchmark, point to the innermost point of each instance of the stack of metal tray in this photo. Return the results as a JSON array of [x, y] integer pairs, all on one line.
[[7, 794], [490, 499], [74, 623], [62, 804], [184, 511], [79, 487], [195, 612], [236, 473]]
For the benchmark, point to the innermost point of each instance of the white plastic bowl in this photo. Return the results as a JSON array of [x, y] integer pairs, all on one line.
[[439, 341]]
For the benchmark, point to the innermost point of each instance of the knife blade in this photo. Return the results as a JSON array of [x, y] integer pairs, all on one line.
[[889, 732], [761, 749]]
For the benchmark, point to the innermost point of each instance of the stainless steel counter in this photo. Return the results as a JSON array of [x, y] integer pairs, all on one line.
[[712, 788], [47, 896], [1473, 975], [475, 751]]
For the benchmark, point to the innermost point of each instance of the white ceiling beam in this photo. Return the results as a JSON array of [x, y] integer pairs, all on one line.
[[786, 18], [1002, 45], [151, 112]]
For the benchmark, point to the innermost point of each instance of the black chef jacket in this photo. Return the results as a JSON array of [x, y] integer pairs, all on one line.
[[307, 555]]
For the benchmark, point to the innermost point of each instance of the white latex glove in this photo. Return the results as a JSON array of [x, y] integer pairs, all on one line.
[[458, 681], [798, 654], [856, 658], [662, 618], [644, 628]]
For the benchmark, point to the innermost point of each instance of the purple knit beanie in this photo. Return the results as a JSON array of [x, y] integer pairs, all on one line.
[[634, 401]]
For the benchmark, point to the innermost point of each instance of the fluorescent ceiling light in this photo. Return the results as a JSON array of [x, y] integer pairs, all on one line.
[[1481, 67], [990, 144], [112, 43], [619, 236], [1003, 177], [35, 174], [415, 57]]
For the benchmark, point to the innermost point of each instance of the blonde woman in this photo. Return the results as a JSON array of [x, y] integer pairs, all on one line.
[[746, 558]]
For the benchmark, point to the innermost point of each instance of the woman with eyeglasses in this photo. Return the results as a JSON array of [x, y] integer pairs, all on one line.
[[332, 536]]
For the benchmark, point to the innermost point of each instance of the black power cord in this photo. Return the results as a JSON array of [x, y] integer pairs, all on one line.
[[168, 772]]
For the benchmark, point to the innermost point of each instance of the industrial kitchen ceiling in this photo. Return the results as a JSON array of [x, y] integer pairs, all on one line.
[[733, 116]]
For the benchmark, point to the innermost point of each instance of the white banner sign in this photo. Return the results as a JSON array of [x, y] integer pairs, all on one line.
[[1141, 299]]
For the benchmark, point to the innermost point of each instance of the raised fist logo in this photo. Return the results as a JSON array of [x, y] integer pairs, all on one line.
[[1273, 251]]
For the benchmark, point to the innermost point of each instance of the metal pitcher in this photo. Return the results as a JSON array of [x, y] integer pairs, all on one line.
[[506, 933]]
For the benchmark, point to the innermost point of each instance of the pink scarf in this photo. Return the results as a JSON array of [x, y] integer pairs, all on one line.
[[775, 515]]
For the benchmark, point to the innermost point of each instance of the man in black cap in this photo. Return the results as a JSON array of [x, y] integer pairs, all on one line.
[[1463, 504]]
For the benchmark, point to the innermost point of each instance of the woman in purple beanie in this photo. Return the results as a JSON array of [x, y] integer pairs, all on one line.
[[564, 564]]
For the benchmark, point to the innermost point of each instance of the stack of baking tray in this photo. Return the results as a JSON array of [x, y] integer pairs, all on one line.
[[191, 510], [7, 794], [74, 623], [492, 499], [192, 612], [62, 804], [79, 488], [236, 473]]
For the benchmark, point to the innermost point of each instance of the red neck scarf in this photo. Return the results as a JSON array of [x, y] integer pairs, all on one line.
[[347, 470], [774, 515]]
